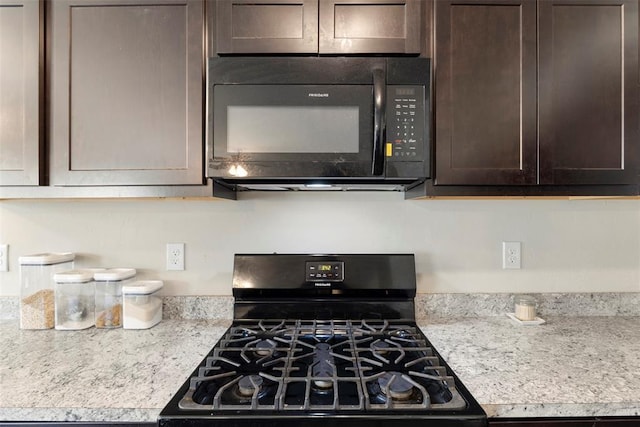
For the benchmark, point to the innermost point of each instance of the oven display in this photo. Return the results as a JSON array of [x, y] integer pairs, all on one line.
[[326, 271]]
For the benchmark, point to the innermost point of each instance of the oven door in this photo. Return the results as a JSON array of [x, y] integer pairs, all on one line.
[[293, 131]]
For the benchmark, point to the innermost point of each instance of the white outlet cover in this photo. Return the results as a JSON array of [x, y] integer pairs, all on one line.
[[511, 255], [175, 256], [4, 257]]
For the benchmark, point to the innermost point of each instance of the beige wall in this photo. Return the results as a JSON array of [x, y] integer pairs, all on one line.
[[567, 245]]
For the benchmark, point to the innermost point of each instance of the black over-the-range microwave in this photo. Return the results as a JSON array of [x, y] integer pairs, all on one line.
[[346, 123]]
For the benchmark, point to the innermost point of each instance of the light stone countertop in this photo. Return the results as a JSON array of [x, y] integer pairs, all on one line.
[[567, 367], [570, 366], [98, 374]]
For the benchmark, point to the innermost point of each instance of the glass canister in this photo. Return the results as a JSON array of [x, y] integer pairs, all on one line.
[[37, 295], [525, 307], [109, 296], [75, 299], [142, 306]]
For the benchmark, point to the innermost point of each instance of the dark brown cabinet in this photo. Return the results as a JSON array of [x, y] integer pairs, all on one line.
[[485, 92], [318, 26], [588, 95], [536, 92], [20, 92], [266, 26], [126, 92]]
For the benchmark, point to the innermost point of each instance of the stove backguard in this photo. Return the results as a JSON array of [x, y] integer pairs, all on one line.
[[294, 286]]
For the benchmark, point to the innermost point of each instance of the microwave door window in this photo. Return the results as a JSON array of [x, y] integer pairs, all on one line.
[[293, 129]]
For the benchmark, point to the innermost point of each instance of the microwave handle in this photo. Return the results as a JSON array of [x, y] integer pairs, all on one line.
[[379, 102]]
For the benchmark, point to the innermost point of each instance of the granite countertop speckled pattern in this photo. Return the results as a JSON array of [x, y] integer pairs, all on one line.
[[98, 374], [570, 366]]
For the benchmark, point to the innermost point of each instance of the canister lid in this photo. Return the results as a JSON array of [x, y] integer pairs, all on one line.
[[73, 276], [114, 274], [525, 300], [46, 258], [142, 287]]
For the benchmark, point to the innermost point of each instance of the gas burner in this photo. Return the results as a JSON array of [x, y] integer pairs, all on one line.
[[392, 388], [263, 347], [380, 347], [249, 390], [401, 333], [396, 386], [248, 384], [266, 329], [243, 335]]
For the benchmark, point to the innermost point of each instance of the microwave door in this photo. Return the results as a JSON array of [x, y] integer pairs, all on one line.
[[295, 131]]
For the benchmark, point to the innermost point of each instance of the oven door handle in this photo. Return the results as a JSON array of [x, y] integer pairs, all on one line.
[[379, 103]]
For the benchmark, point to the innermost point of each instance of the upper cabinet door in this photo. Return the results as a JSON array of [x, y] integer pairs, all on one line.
[[370, 26], [267, 26], [20, 86], [588, 91], [126, 92], [485, 97]]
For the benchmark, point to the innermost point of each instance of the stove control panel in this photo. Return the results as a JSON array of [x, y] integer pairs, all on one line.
[[325, 271]]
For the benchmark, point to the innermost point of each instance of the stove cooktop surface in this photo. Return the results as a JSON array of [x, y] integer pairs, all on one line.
[[356, 369]]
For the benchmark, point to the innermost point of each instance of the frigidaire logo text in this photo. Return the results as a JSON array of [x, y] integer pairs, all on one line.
[[319, 95], [323, 284]]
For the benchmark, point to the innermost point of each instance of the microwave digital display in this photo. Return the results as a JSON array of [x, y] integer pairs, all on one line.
[[406, 91]]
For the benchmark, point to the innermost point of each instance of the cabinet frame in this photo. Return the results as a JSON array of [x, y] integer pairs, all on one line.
[[627, 172], [409, 44], [547, 175], [445, 171], [228, 43], [317, 28], [59, 83], [33, 171]]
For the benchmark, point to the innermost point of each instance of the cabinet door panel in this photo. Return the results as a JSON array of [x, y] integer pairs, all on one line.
[[20, 84], [370, 26], [126, 92], [267, 26], [588, 93], [485, 127]]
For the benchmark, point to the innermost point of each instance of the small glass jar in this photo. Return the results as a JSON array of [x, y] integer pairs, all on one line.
[[525, 307], [75, 299], [37, 295], [109, 296], [141, 305]]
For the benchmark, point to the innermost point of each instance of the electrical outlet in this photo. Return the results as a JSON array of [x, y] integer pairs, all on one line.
[[175, 256], [511, 255], [4, 257]]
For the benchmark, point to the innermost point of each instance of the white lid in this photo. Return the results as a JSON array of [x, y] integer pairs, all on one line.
[[114, 274], [73, 276], [142, 287], [46, 258]]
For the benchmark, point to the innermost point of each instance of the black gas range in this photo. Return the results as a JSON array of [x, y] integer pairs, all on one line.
[[323, 340]]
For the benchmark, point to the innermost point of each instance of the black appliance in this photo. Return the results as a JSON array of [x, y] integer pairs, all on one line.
[[322, 340], [318, 123]]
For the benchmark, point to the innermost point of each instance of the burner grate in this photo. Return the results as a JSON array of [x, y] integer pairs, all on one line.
[[322, 365]]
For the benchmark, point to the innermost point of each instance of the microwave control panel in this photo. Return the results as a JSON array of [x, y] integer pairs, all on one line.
[[405, 122]]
